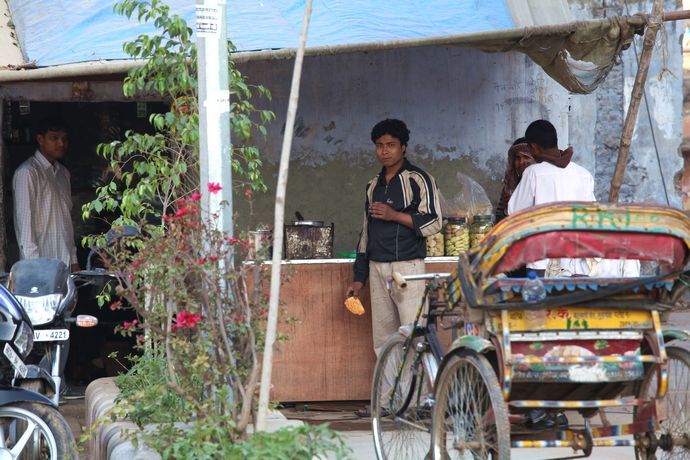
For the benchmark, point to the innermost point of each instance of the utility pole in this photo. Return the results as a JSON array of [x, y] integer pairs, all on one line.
[[214, 111]]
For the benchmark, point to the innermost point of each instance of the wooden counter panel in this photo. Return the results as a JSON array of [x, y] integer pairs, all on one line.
[[328, 355]]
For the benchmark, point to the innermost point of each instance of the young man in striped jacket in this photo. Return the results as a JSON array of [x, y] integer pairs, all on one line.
[[402, 208]]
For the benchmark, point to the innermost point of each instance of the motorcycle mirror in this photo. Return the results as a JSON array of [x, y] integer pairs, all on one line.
[[116, 233], [86, 321]]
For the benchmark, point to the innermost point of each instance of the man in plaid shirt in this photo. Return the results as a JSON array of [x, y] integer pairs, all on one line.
[[43, 201]]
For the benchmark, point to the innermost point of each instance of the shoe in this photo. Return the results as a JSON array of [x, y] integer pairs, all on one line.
[[71, 393], [539, 420]]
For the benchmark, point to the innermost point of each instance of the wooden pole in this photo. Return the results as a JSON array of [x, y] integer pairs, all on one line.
[[278, 221], [3, 221], [635, 99]]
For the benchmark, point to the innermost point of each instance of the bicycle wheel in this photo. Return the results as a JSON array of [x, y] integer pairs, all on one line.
[[400, 407], [470, 419], [677, 401]]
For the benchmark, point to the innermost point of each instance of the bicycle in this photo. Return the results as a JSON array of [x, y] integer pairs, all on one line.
[[403, 383]]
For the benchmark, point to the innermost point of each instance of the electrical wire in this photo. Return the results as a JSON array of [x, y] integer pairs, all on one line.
[[649, 116]]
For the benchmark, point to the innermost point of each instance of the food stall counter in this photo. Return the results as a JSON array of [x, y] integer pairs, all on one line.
[[328, 354]]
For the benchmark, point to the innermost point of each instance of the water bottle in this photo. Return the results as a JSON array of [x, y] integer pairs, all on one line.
[[533, 291]]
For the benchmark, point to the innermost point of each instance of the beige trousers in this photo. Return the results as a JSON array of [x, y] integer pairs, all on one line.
[[391, 308]]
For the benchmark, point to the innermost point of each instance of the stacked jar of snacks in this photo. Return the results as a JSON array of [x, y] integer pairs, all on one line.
[[479, 228], [456, 235], [434, 245]]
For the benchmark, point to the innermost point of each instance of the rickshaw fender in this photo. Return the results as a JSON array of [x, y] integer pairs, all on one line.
[[472, 342], [675, 334]]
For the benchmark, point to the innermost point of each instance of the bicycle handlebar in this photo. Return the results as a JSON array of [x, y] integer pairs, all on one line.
[[401, 280]]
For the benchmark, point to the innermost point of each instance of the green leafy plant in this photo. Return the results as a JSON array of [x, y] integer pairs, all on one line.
[[199, 321], [151, 172]]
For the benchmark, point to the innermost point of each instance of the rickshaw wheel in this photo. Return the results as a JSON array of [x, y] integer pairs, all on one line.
[[470, 417], [677, 401], [401, 421]]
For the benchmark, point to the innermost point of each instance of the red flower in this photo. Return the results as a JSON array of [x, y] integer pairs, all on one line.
[[213, 258], [201, 260], [130, 324], [183, 211], [116, 305], [136, 263], [214, 187], [185, 319], [196, 196], [248, 192], [231, 241]]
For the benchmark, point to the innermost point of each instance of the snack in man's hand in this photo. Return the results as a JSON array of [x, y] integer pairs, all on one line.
[[354, 305]]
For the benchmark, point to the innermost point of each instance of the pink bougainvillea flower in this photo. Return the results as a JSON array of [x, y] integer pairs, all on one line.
[[130, 324], [116, 305], [232, 240], [248, 192], [185, 319], [214, 187], [196, 196], [183, 211]]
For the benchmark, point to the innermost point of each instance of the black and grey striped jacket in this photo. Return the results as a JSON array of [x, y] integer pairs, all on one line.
[[411, 191]]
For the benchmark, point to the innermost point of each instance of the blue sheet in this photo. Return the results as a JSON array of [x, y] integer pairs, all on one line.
[[55, 32]]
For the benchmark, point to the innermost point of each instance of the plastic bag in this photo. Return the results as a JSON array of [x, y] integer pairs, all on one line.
[[467, 199]]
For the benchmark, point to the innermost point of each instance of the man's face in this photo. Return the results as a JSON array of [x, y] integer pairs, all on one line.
[[53, 144], [521, 163], [389, 150]]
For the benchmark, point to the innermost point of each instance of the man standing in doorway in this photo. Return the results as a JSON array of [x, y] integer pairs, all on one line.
[[401, 208], [42, 210], [43, 199]]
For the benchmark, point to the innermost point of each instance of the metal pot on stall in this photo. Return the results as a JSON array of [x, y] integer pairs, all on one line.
[[308, 239]]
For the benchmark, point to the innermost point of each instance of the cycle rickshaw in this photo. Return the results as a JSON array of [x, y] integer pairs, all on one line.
[[597, 348], [599, 345]]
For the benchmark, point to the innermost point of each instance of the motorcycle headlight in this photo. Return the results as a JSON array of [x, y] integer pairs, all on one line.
[[24, 339], [41, 309]]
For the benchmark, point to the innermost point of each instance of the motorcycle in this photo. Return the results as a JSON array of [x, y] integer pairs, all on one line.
[[30, 424], [47, 291]]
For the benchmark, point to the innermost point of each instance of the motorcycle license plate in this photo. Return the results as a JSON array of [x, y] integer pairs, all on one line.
[[50, 335], [15, 360]]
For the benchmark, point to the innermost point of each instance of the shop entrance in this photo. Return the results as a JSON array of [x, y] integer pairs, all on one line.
[[99, 351]]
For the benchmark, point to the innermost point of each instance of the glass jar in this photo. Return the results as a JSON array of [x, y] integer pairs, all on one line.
[[434, 245], [479, 228], [456, 236]]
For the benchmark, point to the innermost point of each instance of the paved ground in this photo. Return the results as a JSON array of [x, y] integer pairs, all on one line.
[[356, 431], [362, 446]]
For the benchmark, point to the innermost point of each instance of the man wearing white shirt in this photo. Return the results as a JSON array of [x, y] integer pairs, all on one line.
[[43, 199], [42, 210], [556, 178], [553, 178]]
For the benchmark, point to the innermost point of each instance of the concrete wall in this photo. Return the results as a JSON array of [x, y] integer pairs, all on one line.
[[645, 172], [463, 107]]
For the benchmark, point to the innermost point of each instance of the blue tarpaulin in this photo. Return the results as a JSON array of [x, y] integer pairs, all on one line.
[[56, 32]]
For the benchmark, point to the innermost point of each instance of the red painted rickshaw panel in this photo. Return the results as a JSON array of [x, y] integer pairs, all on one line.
[[586, 372], [665, 249]]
